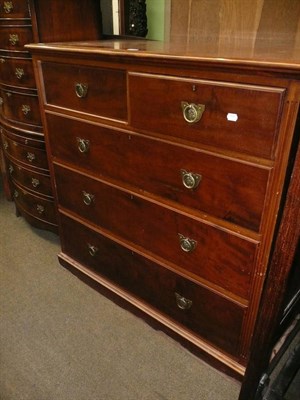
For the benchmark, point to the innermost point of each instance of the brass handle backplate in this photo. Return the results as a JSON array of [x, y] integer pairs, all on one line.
[[11, 169], [83, 145], [192, 112], [40, 209], [13, 39], [88, 198], [25, 109], [93, 250], [8, 7], [30, 156], [35, 182], [190, 180], [2, 60], [81, 90], [182, 302], [187, 245], [19, 72], [1, 101]]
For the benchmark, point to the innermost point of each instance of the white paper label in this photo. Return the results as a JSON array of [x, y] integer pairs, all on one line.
[[232, 117]]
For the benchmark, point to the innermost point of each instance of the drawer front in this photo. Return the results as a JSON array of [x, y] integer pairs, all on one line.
[[35, 181], [17, 72], [214, 318], [241, 118], [15, 38], [34, 205], [97, 91], [195, 248], [14, 9], [226, 189], [20, 107], [25, 154]]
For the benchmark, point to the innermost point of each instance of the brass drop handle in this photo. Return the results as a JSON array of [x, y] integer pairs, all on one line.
[[93, 250], [81, 90], [192, 112], [8, 7], [40, 209], [190, 180], [35, 182], [13, 39], [25, 109], [187, 245], [30, 156], [19, 72], [182, 302], [83, 145], [88, 198], [11, 169]]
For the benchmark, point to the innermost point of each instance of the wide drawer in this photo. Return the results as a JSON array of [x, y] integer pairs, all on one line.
[[227, 189], [97, 91], [30, 179], [14, 38], [213, 317], [29, 155], [17, 72], [195, 248], [34, 205], [20, 107], [240, 118], [14, 9]]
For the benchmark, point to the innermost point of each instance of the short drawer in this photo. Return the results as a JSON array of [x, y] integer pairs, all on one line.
[[240, 118], [14, 38], [14, 9], [20, 107], [31, 156], [34, 205], [96, 91], [227, 189], [195, 248], [30, 179], [210, 316], [17, 72]]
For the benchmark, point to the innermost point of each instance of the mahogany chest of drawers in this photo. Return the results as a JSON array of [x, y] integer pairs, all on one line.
[[169, 170], [24, 163]]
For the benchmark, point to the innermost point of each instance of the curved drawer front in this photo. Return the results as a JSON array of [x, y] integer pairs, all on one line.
[[20, 107], [26, 154], [35, 181], [97, 91], [14, 38], [192, 247], [34, 205], [241, 118], [17, 72], [14, 9], [214, 318], [227, 189]]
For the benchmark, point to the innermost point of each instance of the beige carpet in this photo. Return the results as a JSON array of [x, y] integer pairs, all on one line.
[[61, 340]]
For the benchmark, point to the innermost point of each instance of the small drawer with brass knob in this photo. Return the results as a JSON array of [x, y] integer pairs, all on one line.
[[17, 72], [14, 38], [14, 9]]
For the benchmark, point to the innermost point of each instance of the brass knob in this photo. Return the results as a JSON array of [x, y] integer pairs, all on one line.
[[8, 7], [40, 209], [81, 90], [192, 112], [182, 302], [88, 198], [35, 182], [19, 72], [13, 39], [187, 245], [25, 109], [190, 180], [30, 156], [83, 145], [93, 250]]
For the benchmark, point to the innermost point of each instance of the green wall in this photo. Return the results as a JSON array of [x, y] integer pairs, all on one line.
[[155, 19]]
